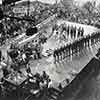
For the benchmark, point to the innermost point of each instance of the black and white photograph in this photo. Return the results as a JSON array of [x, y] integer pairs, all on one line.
[[49, 49]]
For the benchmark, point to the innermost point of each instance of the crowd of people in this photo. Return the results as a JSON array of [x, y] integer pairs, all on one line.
[[76, 47], [21, 56], [34, 85], [78, 15], [11, 28]]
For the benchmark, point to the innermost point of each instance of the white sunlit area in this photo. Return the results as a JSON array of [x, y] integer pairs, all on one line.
[[49, 50], [0, 1]]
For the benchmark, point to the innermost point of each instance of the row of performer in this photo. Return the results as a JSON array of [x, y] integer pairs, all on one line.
[[71, 31], [76, 47]]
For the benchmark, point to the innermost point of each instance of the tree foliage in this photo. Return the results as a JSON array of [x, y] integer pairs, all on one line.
[[88, 6]]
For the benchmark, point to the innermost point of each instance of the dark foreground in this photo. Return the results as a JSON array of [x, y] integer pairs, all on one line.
[[90, 91]]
